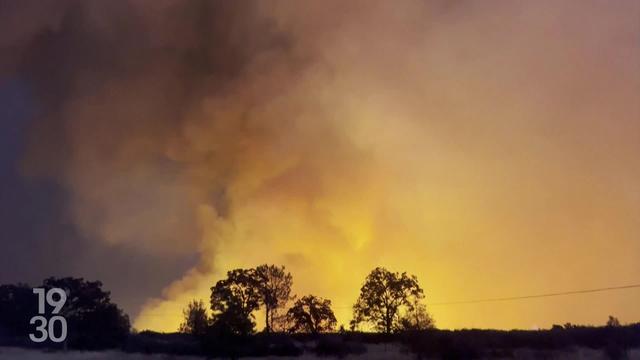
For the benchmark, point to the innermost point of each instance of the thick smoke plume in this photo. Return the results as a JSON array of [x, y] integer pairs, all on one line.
[[464, 141]]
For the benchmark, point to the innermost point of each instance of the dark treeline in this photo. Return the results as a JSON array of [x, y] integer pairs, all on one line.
[[390, 308], [615, 341], [388, 302], [470, 344], [93, 321]]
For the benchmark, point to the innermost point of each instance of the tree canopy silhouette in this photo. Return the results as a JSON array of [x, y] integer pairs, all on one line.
[[415, 318], [274, 286], [382, 296], [233, 301], [17, 306], [94, 322], [311, 314], [196, 319]]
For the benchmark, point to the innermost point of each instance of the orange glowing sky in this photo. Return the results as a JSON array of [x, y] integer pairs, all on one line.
[[492, 151], [489, 147]]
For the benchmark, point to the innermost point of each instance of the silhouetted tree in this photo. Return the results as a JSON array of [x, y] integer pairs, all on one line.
[[196, 319], [17, 305], [415, 317], [382, 296], [311, 314], [94, 322], [274, 285], [233, 301], [613, 321]]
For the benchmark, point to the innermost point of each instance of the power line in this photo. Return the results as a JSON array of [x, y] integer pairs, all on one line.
[[511, 298], [563, 293]]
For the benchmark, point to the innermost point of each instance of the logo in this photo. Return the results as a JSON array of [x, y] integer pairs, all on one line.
[[54, 327]]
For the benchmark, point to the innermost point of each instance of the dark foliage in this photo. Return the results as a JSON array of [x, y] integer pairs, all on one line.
[[615, 351], [235, 346], [433, 343], [275, 345], [93, 321], [274, 286], [196, 319], [416, 318], [337, 346], [382, 298], [17, 305], [153, 342], [233, 301], [235, 298], [613, 321], [477, 343], [311, 314]]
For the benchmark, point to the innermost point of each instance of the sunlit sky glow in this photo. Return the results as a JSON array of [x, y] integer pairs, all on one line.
[[489, 147]]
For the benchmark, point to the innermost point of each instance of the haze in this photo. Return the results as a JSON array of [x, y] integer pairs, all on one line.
[[489, 147]]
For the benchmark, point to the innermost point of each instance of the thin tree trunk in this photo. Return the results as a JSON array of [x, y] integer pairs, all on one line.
[[387, 322]]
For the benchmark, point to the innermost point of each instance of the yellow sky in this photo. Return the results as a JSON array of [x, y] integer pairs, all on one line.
[[488, 147], [492, 150], [491, 156]]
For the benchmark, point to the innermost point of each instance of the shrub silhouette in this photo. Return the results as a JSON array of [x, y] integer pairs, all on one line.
[[415, 318], [613, 321], [196, 319], [335, 346]]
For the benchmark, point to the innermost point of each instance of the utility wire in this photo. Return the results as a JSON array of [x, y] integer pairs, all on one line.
[[511, 298], [563, 293]]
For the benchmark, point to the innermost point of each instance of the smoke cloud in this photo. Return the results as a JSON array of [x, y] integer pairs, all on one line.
[[488, 147]]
